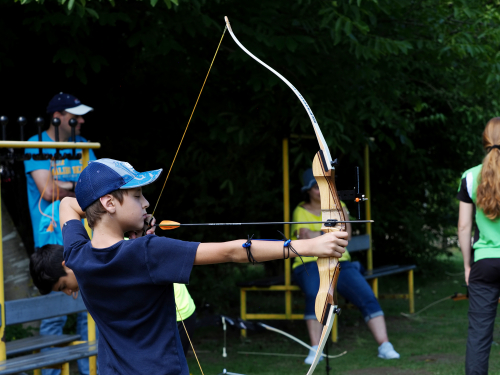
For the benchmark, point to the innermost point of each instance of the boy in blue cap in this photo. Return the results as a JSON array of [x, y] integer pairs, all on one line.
[[127, 285]]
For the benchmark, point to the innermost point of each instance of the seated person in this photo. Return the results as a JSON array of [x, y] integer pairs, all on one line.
[[49, 273], [351, 284]]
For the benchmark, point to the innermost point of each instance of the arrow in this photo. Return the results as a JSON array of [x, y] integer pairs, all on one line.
[[169, 224]]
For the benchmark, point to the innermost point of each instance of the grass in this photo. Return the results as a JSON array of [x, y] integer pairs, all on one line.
[[433, 342]]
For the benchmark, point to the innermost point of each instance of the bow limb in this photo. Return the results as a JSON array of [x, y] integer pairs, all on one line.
[[324, 337], [321, 140]]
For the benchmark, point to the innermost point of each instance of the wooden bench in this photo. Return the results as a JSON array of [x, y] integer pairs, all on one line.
[[68, 347], [278, 284]]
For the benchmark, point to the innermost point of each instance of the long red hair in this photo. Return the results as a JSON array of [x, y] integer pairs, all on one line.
[[488, 191]]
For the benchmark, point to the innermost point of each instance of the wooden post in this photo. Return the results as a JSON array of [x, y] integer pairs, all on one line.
[[368, 212], [286, 217], [411, 295], [91, 336], [335, 329], [3, 355], [243, 309]]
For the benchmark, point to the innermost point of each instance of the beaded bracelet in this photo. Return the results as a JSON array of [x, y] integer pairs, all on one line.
[[288, 245], [247, 245]]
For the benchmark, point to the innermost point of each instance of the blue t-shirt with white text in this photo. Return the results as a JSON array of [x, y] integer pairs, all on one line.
[[127, 288], [63, 170]]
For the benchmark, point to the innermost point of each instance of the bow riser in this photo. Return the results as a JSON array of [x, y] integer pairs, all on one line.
[[331, 208]]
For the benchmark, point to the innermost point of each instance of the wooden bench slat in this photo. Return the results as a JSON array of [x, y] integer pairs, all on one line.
[[36, 308], [48, 358], [390, 272], [30, 344], [359, 243], [380, 269]]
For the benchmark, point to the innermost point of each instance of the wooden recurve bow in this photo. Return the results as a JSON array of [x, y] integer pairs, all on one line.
[[323, 169]]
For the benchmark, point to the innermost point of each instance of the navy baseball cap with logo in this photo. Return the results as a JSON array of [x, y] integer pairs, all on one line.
[[103, 176], [66, 102]]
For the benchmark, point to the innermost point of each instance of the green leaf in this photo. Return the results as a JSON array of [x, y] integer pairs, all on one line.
[[80, 73], [92, 13], [153, 2], [71, 3], [291, 44], [348, 27]]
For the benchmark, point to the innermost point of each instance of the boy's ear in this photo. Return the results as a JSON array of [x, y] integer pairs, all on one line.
[[63, 263], [108, 202]]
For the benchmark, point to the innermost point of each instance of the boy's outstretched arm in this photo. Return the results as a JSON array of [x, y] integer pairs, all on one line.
[[329, 245], [70, 210]]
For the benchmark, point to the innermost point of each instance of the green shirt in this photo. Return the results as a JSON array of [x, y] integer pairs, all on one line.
[[488, 244], [184, 302], [301, 214]]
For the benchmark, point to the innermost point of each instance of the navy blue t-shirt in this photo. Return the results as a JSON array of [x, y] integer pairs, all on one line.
[[128, 290]]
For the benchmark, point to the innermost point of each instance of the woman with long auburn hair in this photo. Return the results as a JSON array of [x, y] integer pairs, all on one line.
[[479, 195]]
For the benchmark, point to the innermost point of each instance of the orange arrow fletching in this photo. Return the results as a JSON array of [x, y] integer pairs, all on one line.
[[169, 224]]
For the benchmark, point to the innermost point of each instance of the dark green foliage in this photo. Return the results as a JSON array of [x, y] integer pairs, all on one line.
[[18, 331], [417, 80]]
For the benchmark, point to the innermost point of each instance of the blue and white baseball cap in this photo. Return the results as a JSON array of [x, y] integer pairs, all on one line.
[[103, 176], [66, 102]]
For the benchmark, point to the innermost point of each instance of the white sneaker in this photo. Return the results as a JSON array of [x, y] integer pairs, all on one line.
[[386, 351], [312, 353]]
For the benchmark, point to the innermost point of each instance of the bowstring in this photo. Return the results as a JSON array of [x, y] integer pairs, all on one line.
[[170, 169], [189, 121], [187, 334]]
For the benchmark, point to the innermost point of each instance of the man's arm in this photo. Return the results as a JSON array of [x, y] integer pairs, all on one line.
[[45, 184], [329, 245], [70, 210]]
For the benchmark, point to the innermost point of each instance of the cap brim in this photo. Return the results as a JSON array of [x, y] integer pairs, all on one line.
[[309, 186], [80, 110], [144, 178]]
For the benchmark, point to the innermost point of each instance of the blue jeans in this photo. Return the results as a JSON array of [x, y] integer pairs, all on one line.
[[54, 326], [351, 285]]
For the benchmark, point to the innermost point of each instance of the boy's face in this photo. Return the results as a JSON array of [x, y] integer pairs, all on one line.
[[132, 212], [66, 284]]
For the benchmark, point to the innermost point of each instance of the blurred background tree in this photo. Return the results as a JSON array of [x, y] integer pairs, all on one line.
[[416, 80]]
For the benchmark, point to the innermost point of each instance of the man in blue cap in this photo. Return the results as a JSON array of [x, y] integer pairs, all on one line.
[[48, 181]]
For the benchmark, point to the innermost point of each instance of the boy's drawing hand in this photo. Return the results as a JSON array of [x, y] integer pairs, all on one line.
[[149, 228], [150, 224], [330, 244]]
